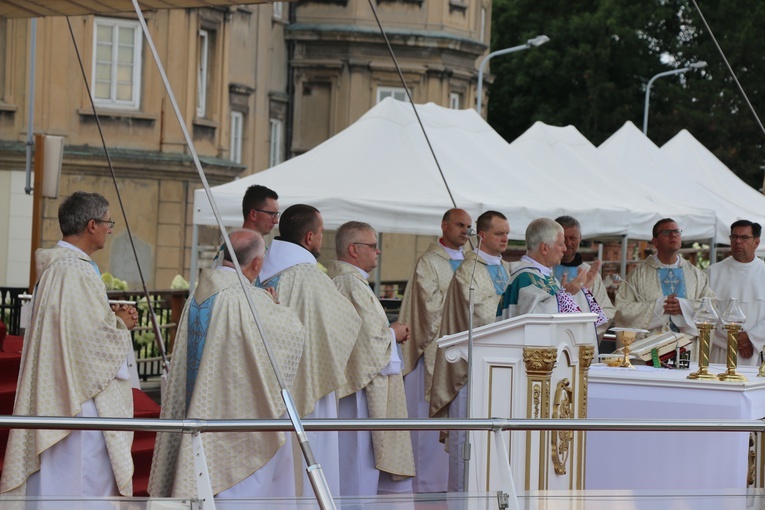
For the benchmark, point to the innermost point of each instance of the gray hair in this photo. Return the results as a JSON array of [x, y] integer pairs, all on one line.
[[78, 209], [248, 245], [346, 235], [542, 230], [568, 221]]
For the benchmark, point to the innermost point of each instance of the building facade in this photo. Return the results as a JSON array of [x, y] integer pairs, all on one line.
[[256, 84]]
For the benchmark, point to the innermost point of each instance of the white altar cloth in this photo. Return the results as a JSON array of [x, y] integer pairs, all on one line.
[[669, 460]]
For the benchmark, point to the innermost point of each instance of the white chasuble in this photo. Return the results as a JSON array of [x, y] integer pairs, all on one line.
[[73, 351], [233, 379]]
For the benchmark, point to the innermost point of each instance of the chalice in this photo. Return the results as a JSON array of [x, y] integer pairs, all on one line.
[[626, 336]]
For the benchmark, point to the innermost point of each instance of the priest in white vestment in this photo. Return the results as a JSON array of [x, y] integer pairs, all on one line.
[[665, 289], [448, 395], [741, 276], [371, 462], [421, 309], [73, 363], [331, 322], [533, 287], [572, 265], [221, 370]]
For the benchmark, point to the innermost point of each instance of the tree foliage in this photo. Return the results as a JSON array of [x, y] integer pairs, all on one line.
[[593, 72]]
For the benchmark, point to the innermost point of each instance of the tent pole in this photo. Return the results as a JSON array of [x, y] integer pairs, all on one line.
[[194, 257], [623, 268]]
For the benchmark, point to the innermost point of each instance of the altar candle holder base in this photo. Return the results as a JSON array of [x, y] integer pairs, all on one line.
[[702, 374]]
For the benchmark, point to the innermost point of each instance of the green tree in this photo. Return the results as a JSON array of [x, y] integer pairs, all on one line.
[[593, 72]]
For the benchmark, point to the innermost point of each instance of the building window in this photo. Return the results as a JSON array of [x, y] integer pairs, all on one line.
[[397, 93], [482, 35], [3, 51], [278, 10], [203, 72], [237, 129], [117, 63], [275, 151], [455, 101]]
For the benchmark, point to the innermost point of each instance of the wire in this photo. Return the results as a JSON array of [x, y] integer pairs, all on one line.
[[153, 317]]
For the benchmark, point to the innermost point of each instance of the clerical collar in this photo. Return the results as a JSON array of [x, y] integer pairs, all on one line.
[[453, 254], [542, 269], [575, 262], [283, 255], [492, 260], [363, 273], [64, 244], [676, 263]]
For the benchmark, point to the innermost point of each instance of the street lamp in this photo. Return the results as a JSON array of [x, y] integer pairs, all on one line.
[[691, 67], [531, 43]]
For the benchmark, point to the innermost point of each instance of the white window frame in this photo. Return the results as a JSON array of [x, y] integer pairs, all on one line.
[[203, 72], [482, 34], [118, 24], [278, 10], [455, 101], [398, 93], [275, 144], [237, 135]]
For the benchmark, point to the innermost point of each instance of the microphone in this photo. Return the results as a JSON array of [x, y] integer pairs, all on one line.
[[618, 279], [471, 232]]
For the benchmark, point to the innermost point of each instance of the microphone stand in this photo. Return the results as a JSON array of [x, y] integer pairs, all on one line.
[[466, 446]]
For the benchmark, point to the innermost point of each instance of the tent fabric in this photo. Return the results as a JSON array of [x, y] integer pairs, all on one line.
[[717, 183], [635, 156], [569, 158], [380, 170]]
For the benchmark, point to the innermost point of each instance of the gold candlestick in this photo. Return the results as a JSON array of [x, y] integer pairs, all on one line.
[[733, 319], [703, 372], [705, 318]]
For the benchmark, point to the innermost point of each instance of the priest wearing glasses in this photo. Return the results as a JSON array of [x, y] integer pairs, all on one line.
[[664, 285]]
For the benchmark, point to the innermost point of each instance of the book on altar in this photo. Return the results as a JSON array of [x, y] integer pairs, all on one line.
[[663, 342]]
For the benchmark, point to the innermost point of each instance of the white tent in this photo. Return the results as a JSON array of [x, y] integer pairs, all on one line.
[[732, 198], [380, 170], [634, 157], [569, 158]]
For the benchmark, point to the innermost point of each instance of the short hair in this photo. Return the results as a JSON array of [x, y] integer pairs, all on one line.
[[542, 230], [346, 235], [255, 197], [296, 221], [78, 209], [655, 231], [756, 227], [448, 213], [568, 221], [247, 244], [483, 223]]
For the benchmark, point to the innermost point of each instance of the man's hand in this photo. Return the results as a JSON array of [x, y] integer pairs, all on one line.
[[592, 274], [574, 286], [745, 347], [127, 313], [272, 291], [401, 331], [672, 305]]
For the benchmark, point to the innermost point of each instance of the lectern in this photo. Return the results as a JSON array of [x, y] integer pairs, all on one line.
[[532, 366]]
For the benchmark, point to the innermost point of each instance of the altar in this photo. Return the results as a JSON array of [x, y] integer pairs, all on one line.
[[672, 460]]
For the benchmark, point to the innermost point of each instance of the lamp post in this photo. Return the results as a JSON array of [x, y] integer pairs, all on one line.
[[695, 66], [531, 43]]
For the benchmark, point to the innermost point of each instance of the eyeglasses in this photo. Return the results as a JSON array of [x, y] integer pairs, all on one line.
[[667, 233], [274, 214], [108, 222], [734, 237], [371, 245]]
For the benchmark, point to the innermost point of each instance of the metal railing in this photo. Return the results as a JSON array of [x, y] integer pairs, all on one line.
[[507, 496]]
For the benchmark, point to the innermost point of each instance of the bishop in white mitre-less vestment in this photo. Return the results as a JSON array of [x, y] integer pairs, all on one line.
[[376, 461], [221, 370], [332, 327]]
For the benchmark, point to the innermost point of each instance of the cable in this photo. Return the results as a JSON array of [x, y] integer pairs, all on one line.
[[155, 325], [730, 69]]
